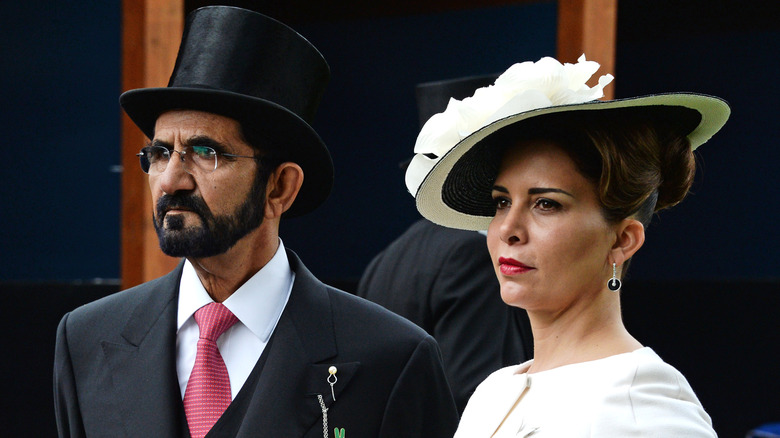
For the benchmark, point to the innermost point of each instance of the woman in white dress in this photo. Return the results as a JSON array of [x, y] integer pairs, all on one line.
[[565, 186]]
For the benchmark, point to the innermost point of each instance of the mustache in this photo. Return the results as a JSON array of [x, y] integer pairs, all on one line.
[[196, 204]]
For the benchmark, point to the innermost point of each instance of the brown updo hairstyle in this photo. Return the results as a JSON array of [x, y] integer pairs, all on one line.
[[638, 160]]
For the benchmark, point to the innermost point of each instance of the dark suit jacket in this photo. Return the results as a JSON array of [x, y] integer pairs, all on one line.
[[442, 279], [115, 374]]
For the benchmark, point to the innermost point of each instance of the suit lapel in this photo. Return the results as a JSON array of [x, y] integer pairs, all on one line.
[[285, 399], [284, 402], [143, 367]]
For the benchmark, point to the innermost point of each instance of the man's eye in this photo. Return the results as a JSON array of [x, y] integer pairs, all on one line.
[[203, 151], [156, 153]]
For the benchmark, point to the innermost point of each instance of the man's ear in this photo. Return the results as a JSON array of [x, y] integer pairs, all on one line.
[[283, 186], [630, 236]]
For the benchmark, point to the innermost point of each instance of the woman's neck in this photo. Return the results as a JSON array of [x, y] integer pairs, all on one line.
[[579, 335]]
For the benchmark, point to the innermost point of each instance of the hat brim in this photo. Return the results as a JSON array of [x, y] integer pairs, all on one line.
[[302, 144], [447, 195]]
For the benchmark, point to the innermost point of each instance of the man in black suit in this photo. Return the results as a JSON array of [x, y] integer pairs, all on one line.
[[232, 152], [442, 279]]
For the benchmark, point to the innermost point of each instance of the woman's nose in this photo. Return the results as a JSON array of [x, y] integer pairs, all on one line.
[[512, 227]]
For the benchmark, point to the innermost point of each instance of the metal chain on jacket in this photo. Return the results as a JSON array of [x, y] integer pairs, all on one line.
[[324, 416]]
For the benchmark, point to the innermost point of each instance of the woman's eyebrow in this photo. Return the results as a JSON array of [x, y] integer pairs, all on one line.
[[534, 190], [543, 190]]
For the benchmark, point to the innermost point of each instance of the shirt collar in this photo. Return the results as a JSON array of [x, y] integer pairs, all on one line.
[[258, 303]]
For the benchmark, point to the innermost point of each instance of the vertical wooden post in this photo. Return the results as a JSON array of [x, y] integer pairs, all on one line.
[[151, 32], [589, 27]]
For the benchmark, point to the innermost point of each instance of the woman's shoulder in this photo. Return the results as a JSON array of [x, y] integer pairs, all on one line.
[[646, 378], [659, 398], [653, 373]]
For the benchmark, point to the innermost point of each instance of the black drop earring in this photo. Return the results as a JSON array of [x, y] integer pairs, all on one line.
[[614, 283]]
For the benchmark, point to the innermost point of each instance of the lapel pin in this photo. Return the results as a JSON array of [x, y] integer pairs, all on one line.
[[332, 379]]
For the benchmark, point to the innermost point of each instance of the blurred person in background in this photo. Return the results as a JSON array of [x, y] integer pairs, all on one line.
[[442, 279]]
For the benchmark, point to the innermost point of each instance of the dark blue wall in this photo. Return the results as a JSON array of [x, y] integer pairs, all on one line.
[[724, 230], [727, 228], [368, 117], [60, 82], [59, 189]]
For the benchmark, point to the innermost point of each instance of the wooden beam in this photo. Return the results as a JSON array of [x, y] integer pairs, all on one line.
[[589, 27], [151, 32]]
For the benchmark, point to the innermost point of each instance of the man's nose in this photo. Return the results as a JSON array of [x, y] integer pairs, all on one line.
[[176, 176]]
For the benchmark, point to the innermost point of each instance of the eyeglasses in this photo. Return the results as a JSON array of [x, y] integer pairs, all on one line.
[[154, 159]]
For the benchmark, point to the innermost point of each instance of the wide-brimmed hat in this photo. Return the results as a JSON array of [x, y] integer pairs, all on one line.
[[254, 69], [453, 172]]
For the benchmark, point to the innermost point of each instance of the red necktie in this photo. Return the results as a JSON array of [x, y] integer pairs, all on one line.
[[208, 390]]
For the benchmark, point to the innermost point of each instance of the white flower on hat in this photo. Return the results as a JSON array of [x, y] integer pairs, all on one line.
[[523, 87]]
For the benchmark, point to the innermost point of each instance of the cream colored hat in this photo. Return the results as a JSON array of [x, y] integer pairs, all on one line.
[[448, 176]]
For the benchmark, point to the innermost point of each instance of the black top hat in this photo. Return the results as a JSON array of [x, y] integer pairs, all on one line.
[[258, 71], [433, 97]]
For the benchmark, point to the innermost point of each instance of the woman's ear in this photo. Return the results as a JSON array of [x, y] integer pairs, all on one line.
[[283, 186], [630, 236]]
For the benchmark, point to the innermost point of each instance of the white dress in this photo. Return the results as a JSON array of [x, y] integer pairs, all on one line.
[[633, 394]]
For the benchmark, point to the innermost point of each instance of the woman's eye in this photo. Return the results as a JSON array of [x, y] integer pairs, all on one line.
[[500, 203], [546, 204]]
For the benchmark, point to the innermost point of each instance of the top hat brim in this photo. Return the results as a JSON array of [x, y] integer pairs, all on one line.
[[302, 145], [456, 191]]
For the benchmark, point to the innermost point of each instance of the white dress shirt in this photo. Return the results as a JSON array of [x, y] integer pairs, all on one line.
[[258, 305]]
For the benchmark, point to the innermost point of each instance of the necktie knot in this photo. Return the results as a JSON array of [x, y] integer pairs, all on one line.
[[213, 320]]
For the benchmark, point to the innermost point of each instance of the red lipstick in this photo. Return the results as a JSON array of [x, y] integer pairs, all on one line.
[[509, 266]]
